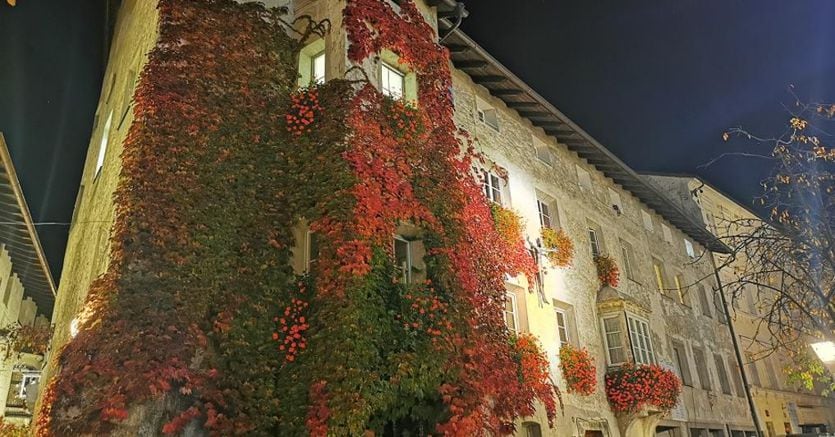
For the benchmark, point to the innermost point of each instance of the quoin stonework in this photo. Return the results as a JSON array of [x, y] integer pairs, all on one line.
[[634, 285]]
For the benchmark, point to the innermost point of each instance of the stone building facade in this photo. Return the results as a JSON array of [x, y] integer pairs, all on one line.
[[663, 311], [782, 409]]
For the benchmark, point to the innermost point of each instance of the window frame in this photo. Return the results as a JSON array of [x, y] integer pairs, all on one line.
[[492, 186], [722, 373], [645, 333], [103, 144], [405, 272], [660, 275], [310, 240], [689, 249], [514, 312], [565, 328], [386, 71], [682, 362], [314, 80], [594, 242], [628, 254], [703, 372], [616, 334]]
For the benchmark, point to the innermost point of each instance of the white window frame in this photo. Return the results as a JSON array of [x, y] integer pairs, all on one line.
[[318, 77], [640, 339], [564, 328], [27, 376], [627, 251], [546, 219], [492, 186], [487, 114], [387, 71], [543, 152], [514, 312], [406, 271], [594, 239], [619, 334], [105, 139], [668, 235], [583, 178]]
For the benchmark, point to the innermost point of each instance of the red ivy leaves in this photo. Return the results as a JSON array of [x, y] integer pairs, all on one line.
[[631, 388], [607, 270], [578, 370], [302, 113]]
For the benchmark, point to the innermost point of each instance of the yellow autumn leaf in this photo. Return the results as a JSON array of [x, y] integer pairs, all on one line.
[[11, 2]]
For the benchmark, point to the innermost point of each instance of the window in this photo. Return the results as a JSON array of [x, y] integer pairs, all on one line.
[[736, 375], [639, 333], [615, 202], [583, 179], [487, 114], [105, 137], [548, 216], [312, 250], [317, 68], [680, 356], [647, 220], [668, 236], [772, 375], [543, 152], [403, 259], [723, 374], [613, 331], [688, 247], [703, 301], [679, 279], [492, 187], [626, 251], [720, 310], [392, 81], [594, 241], [658, 269], [510, 313], [29, 378], [562, 327], [753, 373], [701, 368], [532, 429]]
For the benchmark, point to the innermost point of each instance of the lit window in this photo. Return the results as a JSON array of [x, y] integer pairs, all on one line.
[[392, 81], [639, 333], [594, 240], [105, 136], [658, 268], [403, 259], [510, 313], [317, 68], [492, 187], [562, 327], [544, 213], [614, 341], [679, 287], [688, 247]]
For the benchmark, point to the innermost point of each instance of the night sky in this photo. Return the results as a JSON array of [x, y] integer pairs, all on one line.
[[656, 82]]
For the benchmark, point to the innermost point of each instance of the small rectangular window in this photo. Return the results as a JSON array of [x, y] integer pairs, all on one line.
[[680, 288], [723, 374], [613, 332], [668, 236], [492, 184], [736, 375], [639, 333], [688, 248], [392, 81], [616, 203], [583, 178], [680, 355], [490, 117], [510, 313], [543, 152], [701, 368], [562, 327], [403, 259], [626, 251], [547, 213], [753, 372], [720, 310], [317, 66], [647, 220], [594, 241], [773, 381], [312, 250], [703, 301], [660, 275]]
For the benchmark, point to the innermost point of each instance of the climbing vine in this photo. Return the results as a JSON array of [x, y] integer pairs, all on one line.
[[201, 309]]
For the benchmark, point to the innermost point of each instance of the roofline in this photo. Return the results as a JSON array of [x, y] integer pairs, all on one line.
[[570, 134], [8, 164]]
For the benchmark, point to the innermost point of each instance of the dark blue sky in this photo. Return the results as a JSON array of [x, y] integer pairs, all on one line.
[[656, 82]]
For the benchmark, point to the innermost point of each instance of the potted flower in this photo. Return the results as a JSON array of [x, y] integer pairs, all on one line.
[[558, 246], [578, 370], [607, 270], [632, 388]]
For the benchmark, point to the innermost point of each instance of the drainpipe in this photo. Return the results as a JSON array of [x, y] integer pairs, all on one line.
[[737, 352]]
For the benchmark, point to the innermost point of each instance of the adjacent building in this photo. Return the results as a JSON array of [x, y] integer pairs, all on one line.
[[665, 310], [26, 296]]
